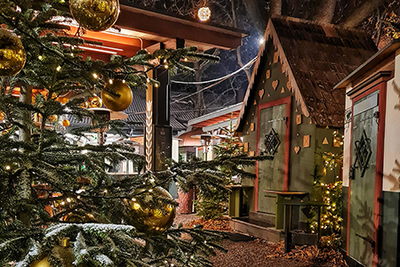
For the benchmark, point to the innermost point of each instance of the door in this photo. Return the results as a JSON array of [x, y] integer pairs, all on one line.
[[272, 137], [362, 191]]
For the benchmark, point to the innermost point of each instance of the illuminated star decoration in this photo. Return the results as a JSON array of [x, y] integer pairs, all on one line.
[[204, 13]]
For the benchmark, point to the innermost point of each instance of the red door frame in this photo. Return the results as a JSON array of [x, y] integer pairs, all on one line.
[[281, 101], [376, 84]]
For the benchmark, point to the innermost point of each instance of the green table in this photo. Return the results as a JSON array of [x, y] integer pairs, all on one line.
[[288, 214], [283, 196]]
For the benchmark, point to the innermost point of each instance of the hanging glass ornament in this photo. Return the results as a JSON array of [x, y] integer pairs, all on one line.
[[95, 102], [95, 15], [117, 96], [52, 118], [149, 213], [66, 123], [12, 54], [204, 13]]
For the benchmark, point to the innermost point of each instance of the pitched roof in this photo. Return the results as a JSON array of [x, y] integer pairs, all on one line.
[[314, 57], [180, 114]]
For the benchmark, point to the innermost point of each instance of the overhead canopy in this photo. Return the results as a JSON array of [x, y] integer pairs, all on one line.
[[222, 115], [137, 29]]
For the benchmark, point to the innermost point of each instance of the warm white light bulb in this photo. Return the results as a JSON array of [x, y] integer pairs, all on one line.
[[204, 13]]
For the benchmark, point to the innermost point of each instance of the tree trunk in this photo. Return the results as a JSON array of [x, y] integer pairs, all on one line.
[[325, 11], [239, 56], [275, 7], [256, 12], [360, 14]]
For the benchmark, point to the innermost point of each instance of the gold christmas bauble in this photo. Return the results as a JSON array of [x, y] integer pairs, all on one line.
[[148, 213], [117, 96], [95, 102], [95, 15], [52, 118], [41, 263], [65, 253], [2, 115], [12, 54], [84, 104], [66, 123], [79, 216], [62, 100]]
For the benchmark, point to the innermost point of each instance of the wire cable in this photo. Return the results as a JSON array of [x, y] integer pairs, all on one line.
[[220, 78]]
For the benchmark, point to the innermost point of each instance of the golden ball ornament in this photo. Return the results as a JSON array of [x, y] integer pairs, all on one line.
[[95, 15], [41, 263], [117, 96], [62, 100], [65, 253], [66, 123], [84, 104], [52, 118], [95, 102], [2, 115], [12, 54], [148, 213], [79, 216]]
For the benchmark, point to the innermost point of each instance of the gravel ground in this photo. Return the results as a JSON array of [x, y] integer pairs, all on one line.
[[185, 218], [253, 253]]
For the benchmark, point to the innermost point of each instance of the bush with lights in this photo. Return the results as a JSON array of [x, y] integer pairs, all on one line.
[[329, 194], [213, 202]]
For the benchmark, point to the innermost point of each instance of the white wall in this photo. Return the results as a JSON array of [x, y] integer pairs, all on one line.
[[392, 132], [347, 141], [175, 149]]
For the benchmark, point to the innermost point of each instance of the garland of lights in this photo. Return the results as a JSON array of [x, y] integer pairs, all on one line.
[[330, 194]]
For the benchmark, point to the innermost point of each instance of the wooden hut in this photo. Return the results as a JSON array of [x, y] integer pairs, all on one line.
[[291, 111]]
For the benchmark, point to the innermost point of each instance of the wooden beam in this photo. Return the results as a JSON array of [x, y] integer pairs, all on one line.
[[164, 26]]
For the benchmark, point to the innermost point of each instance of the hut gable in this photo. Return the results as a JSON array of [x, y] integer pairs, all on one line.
[[314, 57]]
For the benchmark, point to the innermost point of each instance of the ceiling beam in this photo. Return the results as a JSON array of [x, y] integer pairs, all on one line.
[[160, 26]]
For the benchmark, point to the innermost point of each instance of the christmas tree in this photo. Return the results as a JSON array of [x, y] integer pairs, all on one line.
[[213, 202], [58, 205]]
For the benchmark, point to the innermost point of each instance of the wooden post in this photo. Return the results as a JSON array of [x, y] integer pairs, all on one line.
[[288, 238], [148, 131], [24, 182], [158, 132]]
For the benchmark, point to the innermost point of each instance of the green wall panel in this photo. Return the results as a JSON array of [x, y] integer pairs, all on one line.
[[390, 234]]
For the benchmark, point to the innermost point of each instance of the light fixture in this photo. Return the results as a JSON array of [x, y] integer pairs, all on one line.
[[204, 13]]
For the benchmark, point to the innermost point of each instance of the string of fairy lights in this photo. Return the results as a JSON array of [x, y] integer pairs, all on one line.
[[330, 194]]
